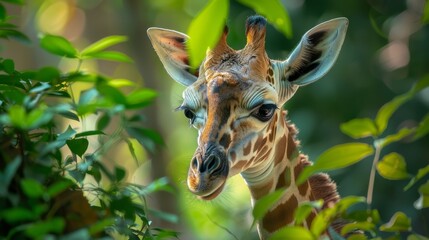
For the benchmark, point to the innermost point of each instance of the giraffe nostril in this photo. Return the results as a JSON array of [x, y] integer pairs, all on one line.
[[213, 163], [194, 163]]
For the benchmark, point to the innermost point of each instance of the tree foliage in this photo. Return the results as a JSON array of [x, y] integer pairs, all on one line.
[[45, 168]]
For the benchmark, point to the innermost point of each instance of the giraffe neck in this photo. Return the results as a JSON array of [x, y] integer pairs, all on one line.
[[279, 171]]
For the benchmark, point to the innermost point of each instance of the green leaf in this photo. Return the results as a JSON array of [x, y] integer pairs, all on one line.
[[393, 167], [140, 98], [48, 74], [346, 202], [8, 66], [110, 55], [146, 137], [425, 17], [359, 128], [89, 133], [398, 223], [206, 29], [8, 174], [292, 232], [386, 111], [264, 204], [365, 226], [32, 188], [119, 173], [111, 93], [20, 2], [304, 209], [275, 13], [17, 214], [3, 13], [58, 45], [164, 216], [423, 128], [40, 229], [59, 186], [337, 157], [101, 225], [103, 122], [78, 146], [421, 173], [416, 237], [102, 44], [117, 83], [420, 85], [383, 142], [423, 201]]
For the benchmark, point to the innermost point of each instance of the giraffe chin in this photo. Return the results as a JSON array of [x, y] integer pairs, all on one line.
[[213, 194]]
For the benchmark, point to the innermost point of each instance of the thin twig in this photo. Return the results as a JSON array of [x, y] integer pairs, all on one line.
[[372, 176], [222, 227]]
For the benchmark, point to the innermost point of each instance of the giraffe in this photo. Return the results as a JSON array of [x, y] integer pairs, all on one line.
[[235, 102]]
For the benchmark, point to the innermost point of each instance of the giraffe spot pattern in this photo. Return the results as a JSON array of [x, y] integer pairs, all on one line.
[[280, 216]]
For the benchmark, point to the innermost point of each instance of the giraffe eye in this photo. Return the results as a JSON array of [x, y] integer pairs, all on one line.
[[189, 114], [264, 112]]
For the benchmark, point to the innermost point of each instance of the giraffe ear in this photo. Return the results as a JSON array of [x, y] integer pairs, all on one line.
[[316, 52], [171, 49]]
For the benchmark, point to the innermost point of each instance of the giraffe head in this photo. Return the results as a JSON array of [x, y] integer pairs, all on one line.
[[234, 100]]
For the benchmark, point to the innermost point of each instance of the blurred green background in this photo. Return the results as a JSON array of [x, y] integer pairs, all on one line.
[[386, 50]]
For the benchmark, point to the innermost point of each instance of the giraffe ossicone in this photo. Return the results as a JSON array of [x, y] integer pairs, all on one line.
[[235, 102]]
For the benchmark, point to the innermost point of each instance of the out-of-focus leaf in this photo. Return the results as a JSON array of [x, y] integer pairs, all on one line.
[[20, 2], [59, 186], [17, 214], [348, 201], [383, 142], [386, 111], [421, 173], [163, 215], [205, 30], [398, 223], [393, 167], [117, 83], [103, 121], [101, 225], [2, 12], [423, 201], [423, 128], [48, 74], [88, 96], [8, 174], [337, 157], [102, 44], [32, 188], [111, 93], [111, 56], [264, 204], [416, 237], [365, 215], [292, 233], [304, 210], [39, 229], [78, 146], [420, 85], [425, 17], [365, 226], [58, 45], [40, 87], [8, 66], [359, 128], [140, 98], [89, 133], [147, 138], [119, 173], [275, 13], [83, 234]]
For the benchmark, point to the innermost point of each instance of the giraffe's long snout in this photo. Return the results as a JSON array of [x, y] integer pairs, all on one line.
[[208, 172]]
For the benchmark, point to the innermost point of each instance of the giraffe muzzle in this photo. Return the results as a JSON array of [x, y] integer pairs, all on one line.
[[207, 175]]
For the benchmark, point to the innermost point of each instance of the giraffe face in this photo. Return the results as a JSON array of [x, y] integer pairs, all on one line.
[[235, 98], [230, 109]]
